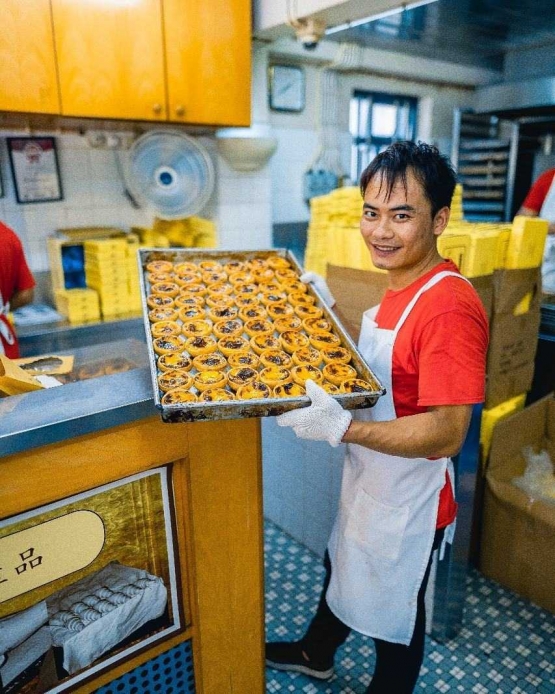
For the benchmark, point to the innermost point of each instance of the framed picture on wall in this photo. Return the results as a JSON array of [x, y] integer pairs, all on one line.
[[286, 88], [35, 169]]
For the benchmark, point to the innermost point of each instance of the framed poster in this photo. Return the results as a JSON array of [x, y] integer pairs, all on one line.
[[87, 582], [35, 169]]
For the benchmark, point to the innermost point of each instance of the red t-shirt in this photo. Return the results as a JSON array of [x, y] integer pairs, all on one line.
[[439, 356], [15, 276], [538, 191]]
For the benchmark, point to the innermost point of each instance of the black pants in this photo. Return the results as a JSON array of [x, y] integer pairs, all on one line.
[[397, 666]]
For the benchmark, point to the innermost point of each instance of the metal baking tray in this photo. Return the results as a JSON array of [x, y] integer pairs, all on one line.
[[269, 407]]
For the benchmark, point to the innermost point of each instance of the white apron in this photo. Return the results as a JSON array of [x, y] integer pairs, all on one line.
[[6, 333], [383, 534], [548, 267]]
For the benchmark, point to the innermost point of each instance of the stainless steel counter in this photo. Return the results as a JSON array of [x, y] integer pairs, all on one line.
[[85, 405]]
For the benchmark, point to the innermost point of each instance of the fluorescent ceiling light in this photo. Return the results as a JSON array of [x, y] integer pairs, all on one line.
[[378, 15]]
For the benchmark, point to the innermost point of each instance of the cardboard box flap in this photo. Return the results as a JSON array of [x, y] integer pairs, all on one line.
[[512, 287], [537, 511], [511, 435]]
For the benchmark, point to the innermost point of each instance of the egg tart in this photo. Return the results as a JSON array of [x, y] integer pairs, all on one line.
[[154, 277], [214, 277], [274, 298], [277, 262], [335, 355], [216, 395], [276, 357], [233, 266], [241, 289], [257, 263], [304, 311], [159, 301], [200, 345], [189, 313], [221, 288], [282, 325], [198, 327], [241, 376], [210, 379], [291, 341], [222, 312], [167, 345], [178, 396], [168, 380], [307, 355], [338, 373], [286, 273], [261, 342], [233, 345], [160, 266], [330, 388], [302, 373], [187, 279], [314, 325], [323, 339], [297, 298], [280, 310], [294, 286], [210, 266], [217, 299], [188, 300], [165, 328], [258, 327], [253, 312], [162, 313], [270, 288], [264, 275], [165, 288], [289, 390], [228, 328], [241, 277], [210, 362], [356, 385], [243, 359], [275, 376], [254, 391], [175, 362], [244, 300], [196, 289], [185, 267]]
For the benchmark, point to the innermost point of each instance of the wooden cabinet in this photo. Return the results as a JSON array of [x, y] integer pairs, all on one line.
[[208, 61], [110, 58], [27, 59]]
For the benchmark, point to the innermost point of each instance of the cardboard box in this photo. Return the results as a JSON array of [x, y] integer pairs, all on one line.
[[512, 287], [518, 533]]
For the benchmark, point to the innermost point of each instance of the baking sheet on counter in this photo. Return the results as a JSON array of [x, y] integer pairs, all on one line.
[[237, 409]]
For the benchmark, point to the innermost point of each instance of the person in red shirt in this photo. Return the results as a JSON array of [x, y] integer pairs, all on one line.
[[16, 287], [538, 195], [427, 343]]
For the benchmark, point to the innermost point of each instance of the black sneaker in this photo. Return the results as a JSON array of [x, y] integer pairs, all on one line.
[[288, 656]]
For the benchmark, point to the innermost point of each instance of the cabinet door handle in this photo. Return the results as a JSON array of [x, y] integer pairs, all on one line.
[[157, 108], [179, 110]]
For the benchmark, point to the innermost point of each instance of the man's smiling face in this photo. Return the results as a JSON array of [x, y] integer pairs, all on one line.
[[399, 230]]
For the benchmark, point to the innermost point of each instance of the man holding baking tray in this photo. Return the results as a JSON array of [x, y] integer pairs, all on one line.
[[427, 343]]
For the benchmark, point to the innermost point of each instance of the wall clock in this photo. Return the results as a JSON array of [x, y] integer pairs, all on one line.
[[287, 88]]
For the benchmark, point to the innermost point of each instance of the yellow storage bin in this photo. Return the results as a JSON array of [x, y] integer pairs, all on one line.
[[502, 247], [495, 414], [482, 254], [454, 247], [78, 305], [526, 243]]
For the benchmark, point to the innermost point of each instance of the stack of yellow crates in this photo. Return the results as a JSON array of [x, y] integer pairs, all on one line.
[[133, 276], [457, 204], [189, 232], [78, 305], [107, 270]]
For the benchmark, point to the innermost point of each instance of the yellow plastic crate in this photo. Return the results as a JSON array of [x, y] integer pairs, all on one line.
[[494, 415], [482, 254], [502, 247], [78, 305], [526, 243], [454, 247]]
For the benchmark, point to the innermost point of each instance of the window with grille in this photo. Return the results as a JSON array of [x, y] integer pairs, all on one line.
[[376, 120]]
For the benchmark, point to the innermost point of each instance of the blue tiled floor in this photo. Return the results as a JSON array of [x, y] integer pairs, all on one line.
[[506, 644]]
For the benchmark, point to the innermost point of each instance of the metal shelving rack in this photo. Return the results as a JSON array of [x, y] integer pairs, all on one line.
[[484, 154]]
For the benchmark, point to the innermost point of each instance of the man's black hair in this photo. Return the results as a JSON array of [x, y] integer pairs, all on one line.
[[432, 170]]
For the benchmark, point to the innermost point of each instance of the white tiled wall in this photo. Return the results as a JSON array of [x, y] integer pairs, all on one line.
[[93, 196]]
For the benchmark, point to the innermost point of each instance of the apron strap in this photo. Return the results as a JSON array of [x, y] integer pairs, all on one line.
[[429, 284]]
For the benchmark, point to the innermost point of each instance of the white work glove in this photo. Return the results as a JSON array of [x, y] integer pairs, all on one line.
[[324, 420], [320, 283]]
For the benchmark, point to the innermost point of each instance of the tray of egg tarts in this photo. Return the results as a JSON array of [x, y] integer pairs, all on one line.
[[235, 334]]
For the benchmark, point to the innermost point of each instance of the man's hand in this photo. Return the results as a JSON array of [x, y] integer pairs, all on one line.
[[320, 284], [324, 420]]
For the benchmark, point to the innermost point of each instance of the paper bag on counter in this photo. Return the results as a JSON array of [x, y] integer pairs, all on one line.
[[14, 380], [47, 364]]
